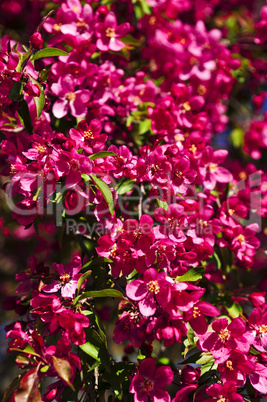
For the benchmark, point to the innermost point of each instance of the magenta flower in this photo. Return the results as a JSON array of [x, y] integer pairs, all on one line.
[[245, 242], [182, 175], [210, 171], [154, 288], [224, 392], [140, 233], [258, 322], [150, 382], [131, 325], [67, 280], [196, 316], [73, 165], [72, 100], [236, 368], [173, 220], [88, 137], [109, 32], [74, 324], [226, 338], [202, 228]]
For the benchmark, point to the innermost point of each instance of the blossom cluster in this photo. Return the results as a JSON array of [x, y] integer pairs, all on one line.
[[113, 116]]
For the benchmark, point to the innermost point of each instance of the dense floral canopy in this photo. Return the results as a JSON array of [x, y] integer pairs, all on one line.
[[133, 137]]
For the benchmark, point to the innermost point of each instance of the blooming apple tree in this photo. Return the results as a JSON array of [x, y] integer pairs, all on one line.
[[115, 119]]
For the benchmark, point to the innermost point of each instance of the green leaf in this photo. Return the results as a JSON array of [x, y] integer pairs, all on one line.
[[205, 358], [124, 186], [39, 100], [82, 279], [85, 177], [105, 190], [28, 350], [102, 154], [49, 52], [90, 350], [129, 120], [25, 116], [237, 136], [44, 369], [16, 91], [96, 261], [99, 293], [207, 367], [219, 263], [162, 204], [192, 275], [233, 309], [64, 370], [138, 12], [192, 358], [144, 126], [145, 7], [130, 40]]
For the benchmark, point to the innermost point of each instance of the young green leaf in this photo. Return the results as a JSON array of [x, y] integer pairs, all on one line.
[[39, 100], [99, 293], [192, 275], [25, 116], [124, 186], [102, 154], [49, 52], [105, 190]]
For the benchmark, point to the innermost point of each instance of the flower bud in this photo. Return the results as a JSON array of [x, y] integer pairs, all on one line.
[[32, 89], [39, 65], [189, 374], [36, 40], [102, 10], [257, 298]]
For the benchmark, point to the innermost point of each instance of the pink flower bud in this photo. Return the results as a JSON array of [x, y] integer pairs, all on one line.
[[102, 10], [32, 89], [257, 298], [36, 40], [189, 374]]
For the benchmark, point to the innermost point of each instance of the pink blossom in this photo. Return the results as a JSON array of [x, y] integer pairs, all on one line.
[[210, 170], [154, 288], [67, 278], [108, 33], [69, 98], [151, 381]]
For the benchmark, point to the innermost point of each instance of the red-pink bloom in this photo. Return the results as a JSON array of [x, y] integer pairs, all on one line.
[[70, 99], [139, 233], [196, 316], [210, 170], [151, 381], [224, 392], [232, 211], [258, 322], [74, 323], [202, 228], [67, 279], [88, 137], [174, 221], [236, 368], [130, 325], [153, 290], [226, 338], [108, 33], [73, 165]]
